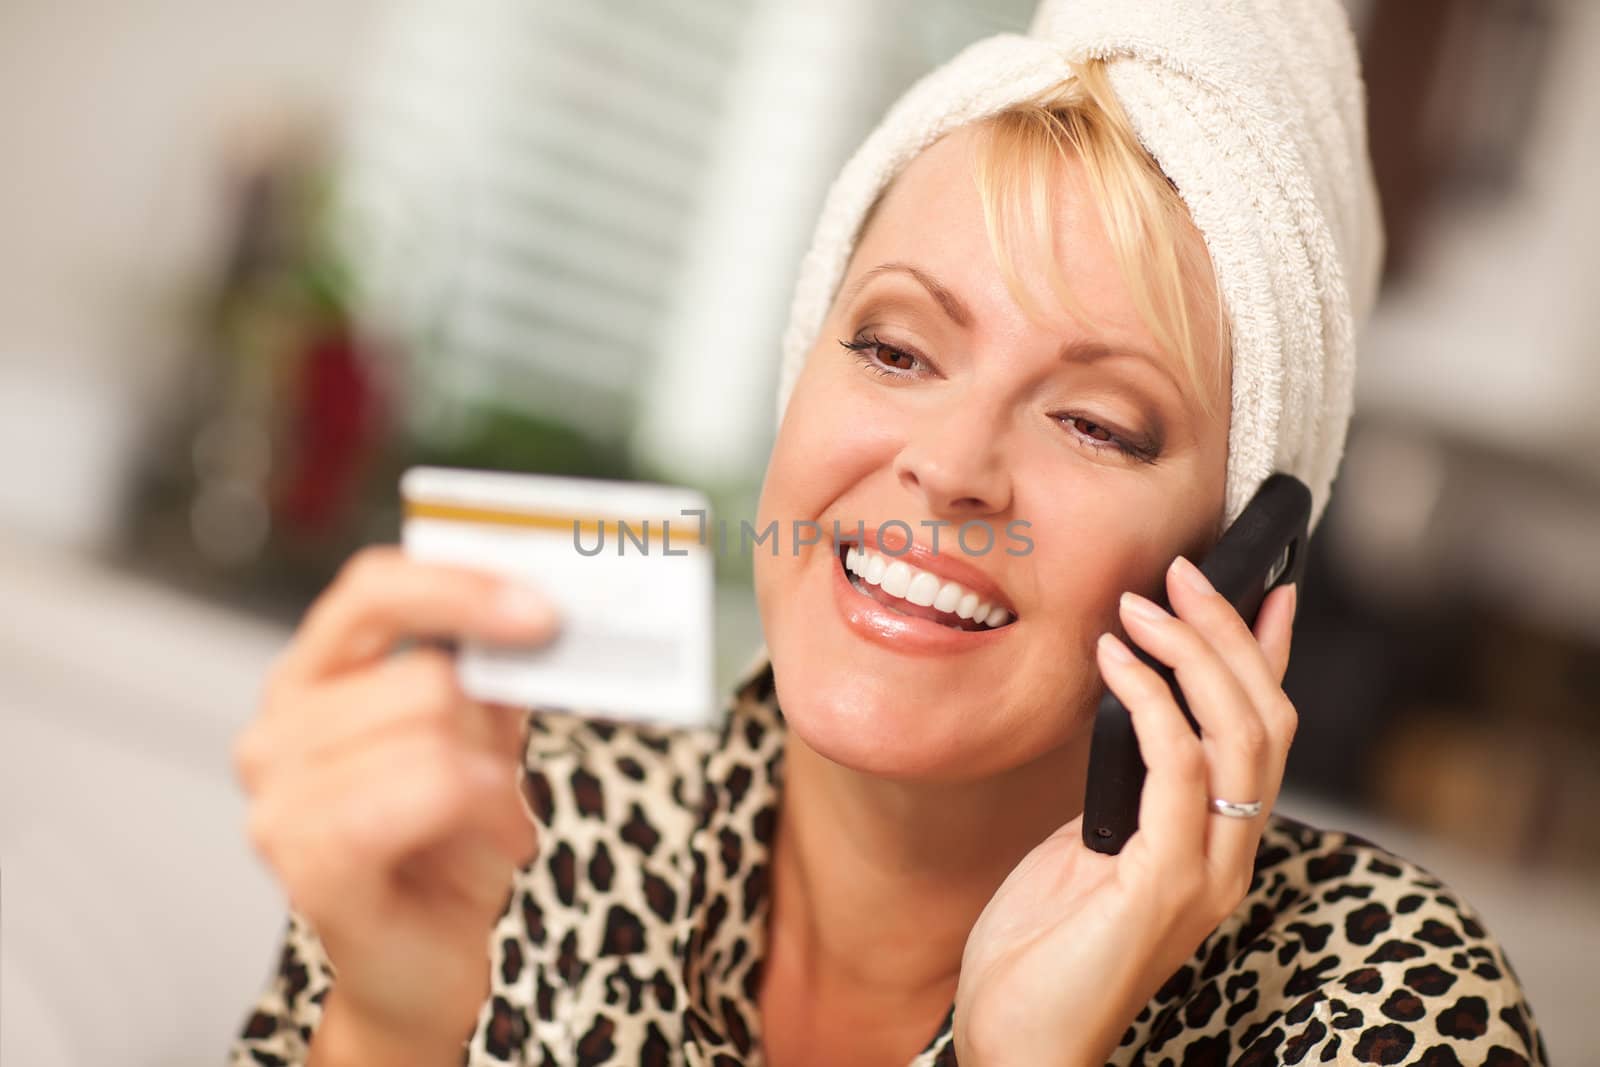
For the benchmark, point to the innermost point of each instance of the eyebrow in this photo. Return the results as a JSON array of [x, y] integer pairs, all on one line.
[[949, 302], [1089, 351], [1082, 351]]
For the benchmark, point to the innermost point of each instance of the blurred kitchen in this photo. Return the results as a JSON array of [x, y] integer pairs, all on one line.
[[259, 259]]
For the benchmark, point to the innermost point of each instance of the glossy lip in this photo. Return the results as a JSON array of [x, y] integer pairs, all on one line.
[[945, 564], [905, 634]]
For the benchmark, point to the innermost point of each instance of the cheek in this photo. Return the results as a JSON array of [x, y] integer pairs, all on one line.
[[832, 439], [832, 460], [809, 464], [1090, 543]]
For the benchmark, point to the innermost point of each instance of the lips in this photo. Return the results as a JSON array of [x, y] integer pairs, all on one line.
[[896, 623], [919, 593]]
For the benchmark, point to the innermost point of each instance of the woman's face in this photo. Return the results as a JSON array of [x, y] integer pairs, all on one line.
[[1089, 465]]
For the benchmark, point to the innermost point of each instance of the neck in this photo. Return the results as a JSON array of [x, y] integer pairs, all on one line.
[[877, 883]]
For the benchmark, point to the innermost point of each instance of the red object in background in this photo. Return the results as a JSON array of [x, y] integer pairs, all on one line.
[[336, 415]]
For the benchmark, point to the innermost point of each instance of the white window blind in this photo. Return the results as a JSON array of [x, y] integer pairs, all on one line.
[[515, 188], [594, 210]]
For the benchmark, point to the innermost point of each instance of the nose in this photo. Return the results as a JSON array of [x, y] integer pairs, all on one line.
[[954, 460]]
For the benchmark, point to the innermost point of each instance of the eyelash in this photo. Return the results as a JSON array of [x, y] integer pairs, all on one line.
[[863, 346]]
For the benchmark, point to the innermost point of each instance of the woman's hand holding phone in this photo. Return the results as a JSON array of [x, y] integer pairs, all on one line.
[[1075, 942], [388, 804]]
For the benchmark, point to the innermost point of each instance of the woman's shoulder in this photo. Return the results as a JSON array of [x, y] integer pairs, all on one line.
[[582, 769], [626, 814], [639, 780], [1344, 952]]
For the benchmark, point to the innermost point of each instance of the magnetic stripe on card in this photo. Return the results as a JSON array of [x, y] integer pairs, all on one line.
[[648, 530]]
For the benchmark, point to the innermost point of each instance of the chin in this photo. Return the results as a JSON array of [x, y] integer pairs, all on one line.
[[900, 697], [902, 735]]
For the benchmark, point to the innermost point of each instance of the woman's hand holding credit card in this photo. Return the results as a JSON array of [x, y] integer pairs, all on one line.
[[627, 564], [386, 798]]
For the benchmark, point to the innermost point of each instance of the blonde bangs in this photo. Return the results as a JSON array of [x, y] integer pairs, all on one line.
[[1022, 153]]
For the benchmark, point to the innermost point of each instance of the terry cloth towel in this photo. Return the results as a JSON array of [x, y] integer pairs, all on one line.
[[1256, 111]]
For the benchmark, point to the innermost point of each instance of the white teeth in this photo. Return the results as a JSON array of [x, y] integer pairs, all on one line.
[[897, 578], [923, 588], [876, 565]]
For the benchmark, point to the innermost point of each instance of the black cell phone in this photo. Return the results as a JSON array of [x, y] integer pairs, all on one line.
[[1264, 548]]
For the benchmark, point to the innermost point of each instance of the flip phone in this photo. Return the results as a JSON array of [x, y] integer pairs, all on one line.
[[1264, 548]]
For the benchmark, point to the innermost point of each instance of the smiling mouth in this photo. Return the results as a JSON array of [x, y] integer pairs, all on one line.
[[911, 591]]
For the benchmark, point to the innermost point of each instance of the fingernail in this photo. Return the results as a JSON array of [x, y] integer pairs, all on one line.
[[1141, 608], [1190, 575], [518, 603], [1294, 599], [1115, 649]]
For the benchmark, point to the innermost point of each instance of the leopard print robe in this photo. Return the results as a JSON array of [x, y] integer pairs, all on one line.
[[637, 935]]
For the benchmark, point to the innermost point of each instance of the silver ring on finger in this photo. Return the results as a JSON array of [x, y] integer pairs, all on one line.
[[1236, 809]]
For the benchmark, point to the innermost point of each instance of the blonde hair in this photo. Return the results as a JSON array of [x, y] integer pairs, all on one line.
[[1021, 154]]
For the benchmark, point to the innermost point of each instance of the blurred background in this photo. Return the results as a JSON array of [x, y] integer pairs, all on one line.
[[259, 259]]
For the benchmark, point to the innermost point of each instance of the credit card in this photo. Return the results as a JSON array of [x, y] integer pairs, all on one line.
[[628, 565]]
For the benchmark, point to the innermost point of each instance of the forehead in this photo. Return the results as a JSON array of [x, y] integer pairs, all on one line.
[[933, 215]]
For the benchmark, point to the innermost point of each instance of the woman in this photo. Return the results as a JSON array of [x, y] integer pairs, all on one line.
[[1029, 300]]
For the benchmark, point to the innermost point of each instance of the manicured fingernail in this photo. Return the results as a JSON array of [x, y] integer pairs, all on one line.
[[1115, 649], [1190, 575], [518, 603], [1141, 608]]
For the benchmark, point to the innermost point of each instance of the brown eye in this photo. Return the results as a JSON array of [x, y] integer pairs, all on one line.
[[1086, 433], [1094, 430], [895, 358], [883, 359]]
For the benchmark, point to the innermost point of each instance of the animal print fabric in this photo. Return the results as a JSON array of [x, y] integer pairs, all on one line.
[[637, 935]]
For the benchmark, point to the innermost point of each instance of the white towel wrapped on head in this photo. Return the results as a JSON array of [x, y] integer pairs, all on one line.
[[1256, 111]]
